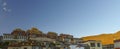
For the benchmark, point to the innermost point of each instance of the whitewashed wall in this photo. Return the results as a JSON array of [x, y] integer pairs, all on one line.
[[74, 47]]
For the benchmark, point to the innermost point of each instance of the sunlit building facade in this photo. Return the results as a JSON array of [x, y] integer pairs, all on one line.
[[93, 44]]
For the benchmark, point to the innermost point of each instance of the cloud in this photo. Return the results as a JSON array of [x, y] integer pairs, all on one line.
[[4, 8], [4, 4]]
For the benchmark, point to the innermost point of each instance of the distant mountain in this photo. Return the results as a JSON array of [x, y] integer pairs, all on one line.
[[105, 38]]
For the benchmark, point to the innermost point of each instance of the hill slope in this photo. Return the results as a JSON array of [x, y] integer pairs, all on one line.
[[105, 38]]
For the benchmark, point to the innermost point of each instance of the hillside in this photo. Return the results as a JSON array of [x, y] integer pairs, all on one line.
[[105, 38]]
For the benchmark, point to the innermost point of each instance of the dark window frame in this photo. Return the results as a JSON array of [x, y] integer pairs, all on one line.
[[25, 47], [98, 44], [92, 44]]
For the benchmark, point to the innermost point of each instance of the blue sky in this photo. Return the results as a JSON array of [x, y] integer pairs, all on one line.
[[76, 17]]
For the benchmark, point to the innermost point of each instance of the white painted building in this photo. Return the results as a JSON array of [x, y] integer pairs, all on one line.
[[10, 37], [75, 47], [93, 44], [108, 46]]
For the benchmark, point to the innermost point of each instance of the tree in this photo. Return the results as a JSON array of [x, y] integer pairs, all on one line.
[[51, 44], [6, 43]]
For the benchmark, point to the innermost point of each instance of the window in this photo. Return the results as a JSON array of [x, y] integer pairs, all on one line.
[[98, 44], [92, 44], [25, 48]]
